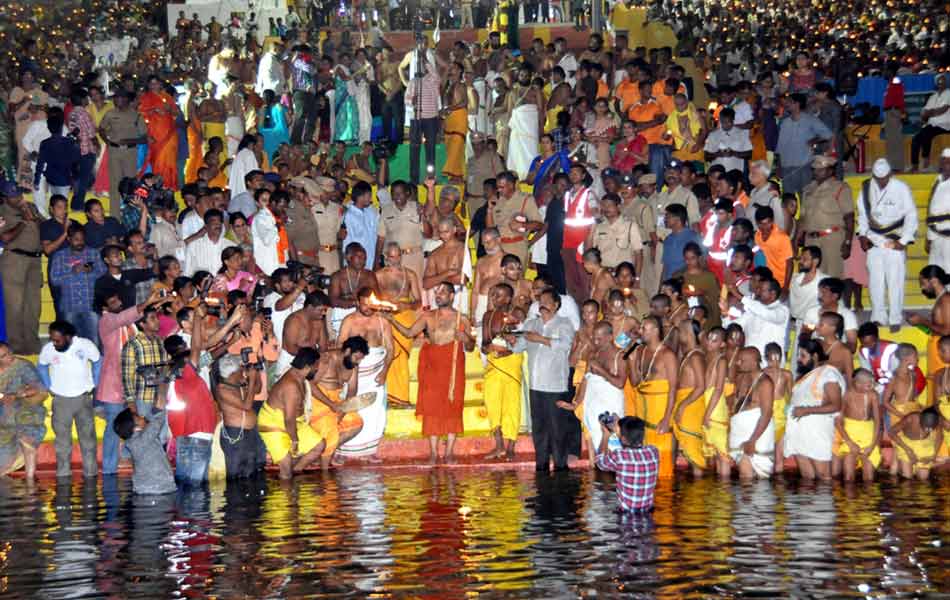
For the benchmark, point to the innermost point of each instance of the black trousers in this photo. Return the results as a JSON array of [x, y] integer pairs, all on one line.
[[920, 143], [552, 429], [419, 128], [394, 119], [305, 117]]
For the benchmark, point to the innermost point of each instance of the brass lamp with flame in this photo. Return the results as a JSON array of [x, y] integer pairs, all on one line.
[[381, 305]]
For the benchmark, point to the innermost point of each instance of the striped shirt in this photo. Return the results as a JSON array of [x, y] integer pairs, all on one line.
[[203, 254], [426, 91], [636, 470], [77, 289], [137, 352]]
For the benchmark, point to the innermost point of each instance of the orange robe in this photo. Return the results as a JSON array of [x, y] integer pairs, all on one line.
[[163, 136], [441, 413], [195, 154]]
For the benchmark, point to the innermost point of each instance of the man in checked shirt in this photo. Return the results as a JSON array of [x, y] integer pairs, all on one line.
[[636, 465]]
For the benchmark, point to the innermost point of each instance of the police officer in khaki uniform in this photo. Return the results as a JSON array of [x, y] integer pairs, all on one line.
[[616, 236], [401, 222], [329, 218], [20, 270], [122, 129], [827, 217], [516, 215], [641, 209], [676, 193], [301, 224]]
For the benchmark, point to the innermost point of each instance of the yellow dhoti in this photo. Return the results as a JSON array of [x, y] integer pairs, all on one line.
[[717, 434], [455, 130], [270, 423], [862, 434], [503, 393], [651, 398], [934, 363], [580, 369], [778, 416], [689, 430], [943, 404], [328, 425], [397, 379], [924, 450]]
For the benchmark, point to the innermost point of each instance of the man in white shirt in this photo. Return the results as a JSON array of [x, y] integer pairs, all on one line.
[[763, 319], [938, 216], [66, 365], [288, 297], [270, 71], [728, 145], [567, 309], [194, 220], [204, 253], [266, 236], [830, 290], [887, 223], [762, 194], [164, 235], [935, 118], [803, 289]]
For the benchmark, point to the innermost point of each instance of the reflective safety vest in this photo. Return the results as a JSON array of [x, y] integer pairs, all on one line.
[[578, 218]]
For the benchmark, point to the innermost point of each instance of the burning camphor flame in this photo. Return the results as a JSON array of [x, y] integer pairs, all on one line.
[[381, 305]]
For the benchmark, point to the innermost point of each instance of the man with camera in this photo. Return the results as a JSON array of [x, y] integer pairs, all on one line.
[[140, 356], [288, 296], [236, 386], [75, 271]]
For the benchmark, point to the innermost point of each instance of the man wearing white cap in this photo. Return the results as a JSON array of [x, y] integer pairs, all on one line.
[[887, 223], [938, 216]]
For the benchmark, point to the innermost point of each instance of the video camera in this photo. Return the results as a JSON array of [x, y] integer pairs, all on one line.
[[246, 360], [158, 374], [310, 274], [153, 195]]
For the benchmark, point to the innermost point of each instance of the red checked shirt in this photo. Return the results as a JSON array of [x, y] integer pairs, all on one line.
[[636, 470], [79, 118]]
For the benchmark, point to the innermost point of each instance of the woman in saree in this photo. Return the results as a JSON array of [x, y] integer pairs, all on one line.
[[602, 132], [195, 138], [28, 103], [546, 165], [22, 415], [159, 110], [631, 150], [98, 106], [347, 128], [274, 122]]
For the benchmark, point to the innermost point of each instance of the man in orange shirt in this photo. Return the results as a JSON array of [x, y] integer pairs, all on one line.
[[776, 245], [627, 92], [649, 119]]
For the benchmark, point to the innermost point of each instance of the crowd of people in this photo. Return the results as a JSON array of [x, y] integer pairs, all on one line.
[[682, 254]]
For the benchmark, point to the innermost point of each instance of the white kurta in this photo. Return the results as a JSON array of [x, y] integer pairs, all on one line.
[[939, 206], [244, 163]]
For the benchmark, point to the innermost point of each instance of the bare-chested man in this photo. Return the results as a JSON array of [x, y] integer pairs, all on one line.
[[446, 263], [400, 285], [859, 426], [583, 345], [718, 390], [933, 281], [289, 439], [344, 284], [337, 380], [751, 429], [560, 94], [783, 381], [487, 272], [369, 324], [615, 313], [523, 93], [654, 375], [237, 385], [212, 114], [512, 271], [503, 373], [900, 394], [831, 329], [917, 439], [442, 370], [691, 386], [601, 279], [305, 328]]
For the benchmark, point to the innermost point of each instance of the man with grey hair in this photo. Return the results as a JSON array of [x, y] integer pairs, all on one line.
[[934, 119], [762, 194], [236, 385], [447, 264]]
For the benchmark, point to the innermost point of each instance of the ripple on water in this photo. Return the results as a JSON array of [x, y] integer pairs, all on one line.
[[445, 534]]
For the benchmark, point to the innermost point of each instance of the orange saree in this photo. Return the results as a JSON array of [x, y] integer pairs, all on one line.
[[158, 111]]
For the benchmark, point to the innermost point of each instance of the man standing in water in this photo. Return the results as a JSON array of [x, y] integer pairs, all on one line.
[[933, 281], [441, 370], [751, 429], [367, 323], [292, 444], [654, 377]]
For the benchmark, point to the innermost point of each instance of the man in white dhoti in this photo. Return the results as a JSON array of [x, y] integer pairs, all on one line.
[[938, 216], [602, 389], [815, 401], [234, 124], [373, 369], [523, 102], [751, 428]]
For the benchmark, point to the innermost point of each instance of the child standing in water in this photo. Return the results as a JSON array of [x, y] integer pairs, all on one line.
[[782, 380], [859, 426]]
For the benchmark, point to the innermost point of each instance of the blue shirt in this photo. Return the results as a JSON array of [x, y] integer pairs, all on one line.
[[58, 161], [96, 234], [77, 290], [793, 147], [673, 245], [362, 226]]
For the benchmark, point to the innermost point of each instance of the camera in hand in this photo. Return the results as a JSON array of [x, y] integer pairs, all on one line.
[[607, 419], [246, 360], [157, 374], [382, 149], [311, 275]]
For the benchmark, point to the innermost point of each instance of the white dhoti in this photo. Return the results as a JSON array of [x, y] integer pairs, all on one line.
[[741, 427], [283, 362], [233, 131], [940, 252], [336, 319], [522, 139], [367, 440], [811, 436], [886, 271], [599, 397], [481, 118]]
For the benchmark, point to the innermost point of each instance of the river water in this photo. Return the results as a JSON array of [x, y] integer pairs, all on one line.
[[466, 533]]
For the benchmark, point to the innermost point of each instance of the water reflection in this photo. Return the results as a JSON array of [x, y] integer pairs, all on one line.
[[454, 534]]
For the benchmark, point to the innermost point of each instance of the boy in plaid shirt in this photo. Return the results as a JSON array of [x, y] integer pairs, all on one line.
[[636, 465]]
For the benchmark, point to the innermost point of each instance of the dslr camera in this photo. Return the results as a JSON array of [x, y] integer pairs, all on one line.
[[607, 419], [311, 275], [157, 374], [246, 360]]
